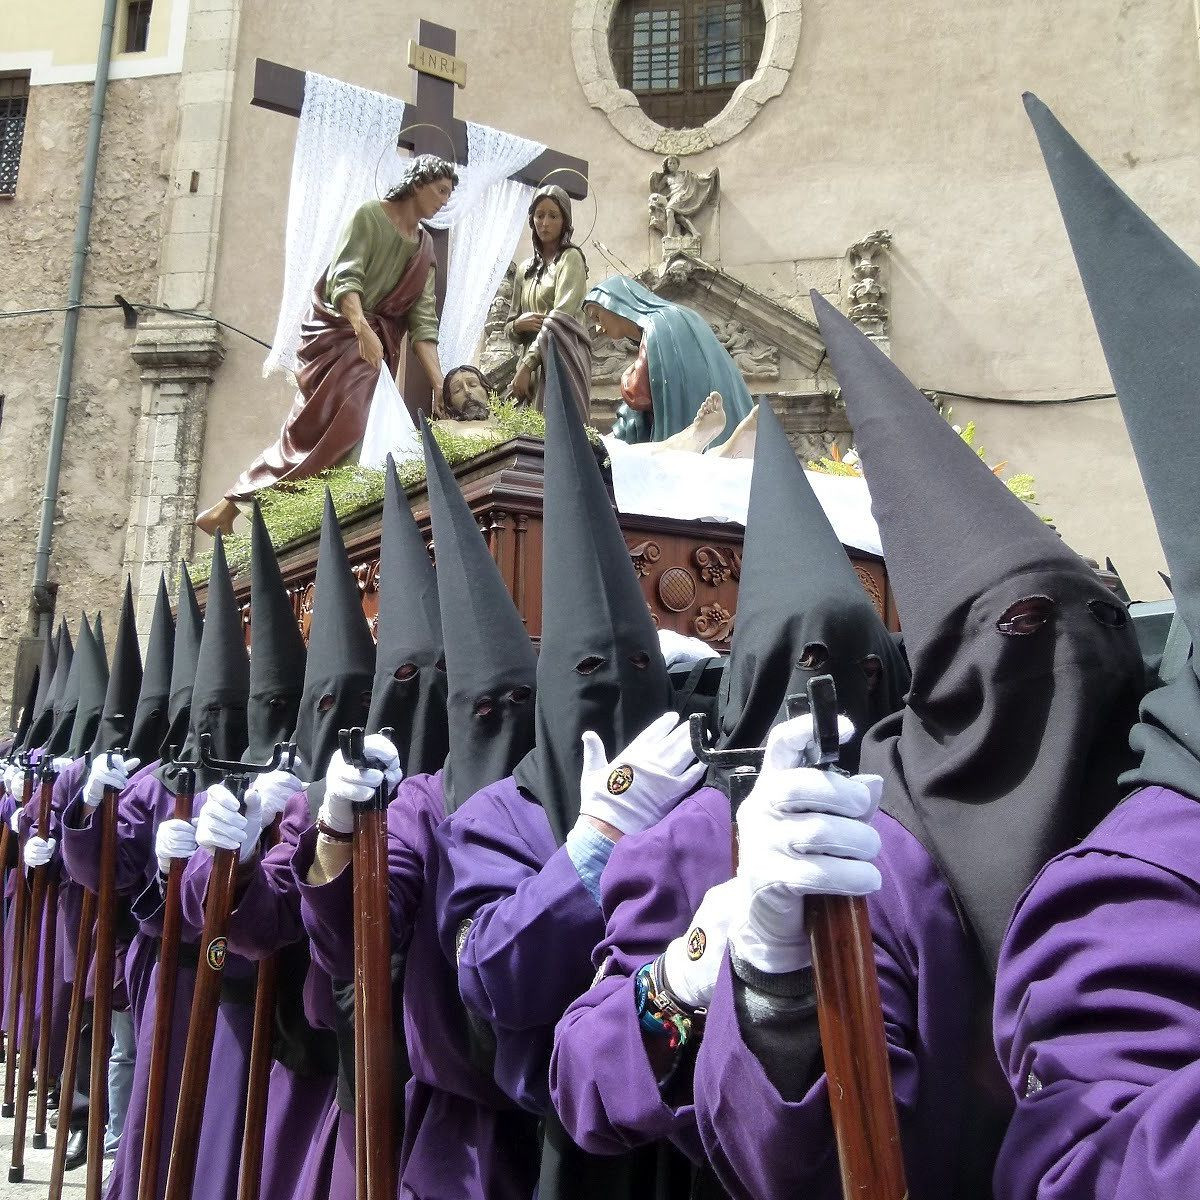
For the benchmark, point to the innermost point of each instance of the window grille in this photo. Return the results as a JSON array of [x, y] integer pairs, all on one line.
[[14, 100], [683, 58], [137, 26]]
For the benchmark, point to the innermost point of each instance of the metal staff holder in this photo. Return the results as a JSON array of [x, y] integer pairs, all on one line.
[[237, 774], [350, 743]]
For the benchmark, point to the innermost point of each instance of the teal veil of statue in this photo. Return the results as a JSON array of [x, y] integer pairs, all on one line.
[[685, 358]]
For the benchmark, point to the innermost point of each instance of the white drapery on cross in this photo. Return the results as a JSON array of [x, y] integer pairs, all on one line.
[[345, 156]]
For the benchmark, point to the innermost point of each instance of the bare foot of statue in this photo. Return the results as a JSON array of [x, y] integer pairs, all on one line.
[[220, 517], [741, 440], [709, 421]]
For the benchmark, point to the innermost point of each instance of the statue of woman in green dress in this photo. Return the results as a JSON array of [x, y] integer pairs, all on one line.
[[548, 301], [679, 363], [379, 286]]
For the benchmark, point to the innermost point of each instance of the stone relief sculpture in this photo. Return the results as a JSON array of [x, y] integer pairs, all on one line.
[[753, 358], [867, 293], [676, 196]]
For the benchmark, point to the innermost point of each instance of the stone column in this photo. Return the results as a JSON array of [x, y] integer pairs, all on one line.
[[178, 357]]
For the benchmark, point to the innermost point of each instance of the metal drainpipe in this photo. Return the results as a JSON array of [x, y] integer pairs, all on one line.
[[66, 363]]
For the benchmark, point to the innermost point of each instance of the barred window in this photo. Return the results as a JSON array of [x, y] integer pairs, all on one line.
[[137, 26], [14, 100], [683, 58]]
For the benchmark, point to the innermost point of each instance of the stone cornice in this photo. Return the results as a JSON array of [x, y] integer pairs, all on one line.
[[178, 348]]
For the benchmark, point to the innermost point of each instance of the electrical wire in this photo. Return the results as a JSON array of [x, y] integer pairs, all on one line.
[[138, 306]]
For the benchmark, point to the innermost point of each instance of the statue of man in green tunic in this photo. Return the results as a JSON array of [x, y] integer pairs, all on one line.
[[379, 286]]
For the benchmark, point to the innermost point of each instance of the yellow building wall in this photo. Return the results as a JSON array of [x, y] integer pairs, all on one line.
[[57, 42]]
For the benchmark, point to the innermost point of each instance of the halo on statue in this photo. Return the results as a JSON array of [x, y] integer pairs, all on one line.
[[591, 192], [396, 146]]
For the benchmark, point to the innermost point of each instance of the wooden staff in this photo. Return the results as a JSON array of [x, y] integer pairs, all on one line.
[[37, 910], [66, 1101], [16, 985], [106, 951], [45, 1027], [164, 1001], [265, 987], [374, 1130], [202, 1021], [5, 838], [849, 1011]]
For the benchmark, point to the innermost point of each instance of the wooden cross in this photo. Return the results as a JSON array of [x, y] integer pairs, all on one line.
[[281, 89]]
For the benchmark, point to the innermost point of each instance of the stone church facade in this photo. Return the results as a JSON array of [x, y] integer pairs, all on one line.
[[876, 153]]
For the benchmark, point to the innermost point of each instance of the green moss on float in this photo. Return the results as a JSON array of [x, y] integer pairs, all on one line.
[[292, 511]]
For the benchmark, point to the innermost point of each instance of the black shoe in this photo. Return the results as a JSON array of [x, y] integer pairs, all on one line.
[[77, 1148], [53, 1098]]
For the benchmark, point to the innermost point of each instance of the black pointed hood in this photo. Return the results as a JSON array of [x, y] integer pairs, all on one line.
[[341, 658], [801, 610], [185, 653], [124, 683], [93, 687], [43, 705], [1144, 293], [409, 692], [66, 692], [149, 726], [600, 666], [221, 688], [1025, 668], [491, 666], [276, 650]]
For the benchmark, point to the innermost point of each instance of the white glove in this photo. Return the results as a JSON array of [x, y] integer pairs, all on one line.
[[60, 764], [346, 786], [681, 651], [274, 789], [223, 826], [108, 771], [39, 851], [691, 962], [175, 839], [14, 783], [801, 832], [15, 820], [645, 781]]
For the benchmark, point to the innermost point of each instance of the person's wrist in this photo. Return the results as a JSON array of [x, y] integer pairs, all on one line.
[[609, 830]]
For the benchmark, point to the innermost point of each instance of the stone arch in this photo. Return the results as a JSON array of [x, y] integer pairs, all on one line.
[[590, 24]]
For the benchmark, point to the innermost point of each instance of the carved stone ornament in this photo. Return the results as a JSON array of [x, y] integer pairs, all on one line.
[[867, 293], [591, 21], [754, 358]]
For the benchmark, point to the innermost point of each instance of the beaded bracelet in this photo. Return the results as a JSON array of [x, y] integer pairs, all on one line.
[[658, 1015]]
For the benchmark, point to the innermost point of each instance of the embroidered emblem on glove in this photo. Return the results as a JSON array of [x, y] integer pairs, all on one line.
[[696, 944], [621, 780]]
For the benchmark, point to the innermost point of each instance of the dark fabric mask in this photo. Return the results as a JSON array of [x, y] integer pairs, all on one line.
[[490, 662], [43, 706], [600, 666], [222, 683], [149, 726], [1025, 668], [66, 696], [802, 612], [189, 628], [277, 651], [93, 687], [409, 690], [341, 659], [1144, 293], [124, 683]]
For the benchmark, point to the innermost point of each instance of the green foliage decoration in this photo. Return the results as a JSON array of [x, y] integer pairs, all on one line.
[[292, 511]]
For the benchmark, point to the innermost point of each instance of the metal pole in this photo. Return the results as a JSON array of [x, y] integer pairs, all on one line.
[[66, 362]]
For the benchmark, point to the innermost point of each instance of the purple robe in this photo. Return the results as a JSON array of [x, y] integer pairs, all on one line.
[[462, 1136], [524, 924], [266, 918], [1098, 1013], [604, 1086], [140, 809], [765, 1145]]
